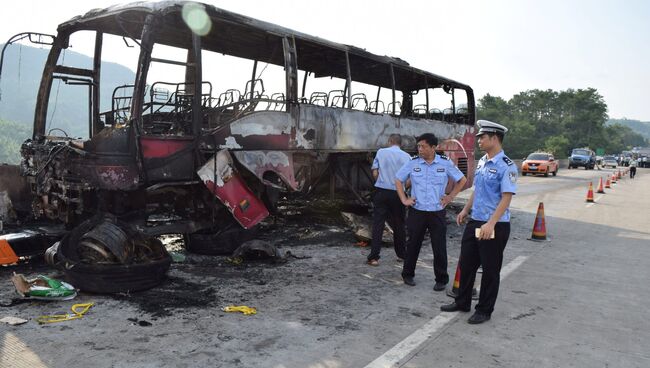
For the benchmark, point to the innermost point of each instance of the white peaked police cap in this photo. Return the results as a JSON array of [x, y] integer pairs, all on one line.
[[485, 126]]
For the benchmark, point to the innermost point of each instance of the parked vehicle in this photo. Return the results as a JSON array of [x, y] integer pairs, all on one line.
[[582, 157], [540, 163], [610, 161]]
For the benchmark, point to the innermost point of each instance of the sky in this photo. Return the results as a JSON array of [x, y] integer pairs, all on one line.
[[500, 47]]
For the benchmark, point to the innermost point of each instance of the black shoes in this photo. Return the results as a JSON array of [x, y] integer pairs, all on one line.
[[453, 307], [439, 286], [477, 318], [409, 281]]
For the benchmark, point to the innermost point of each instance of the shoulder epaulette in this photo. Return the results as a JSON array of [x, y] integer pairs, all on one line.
[[507, 160], [444, 157], [415, 157]]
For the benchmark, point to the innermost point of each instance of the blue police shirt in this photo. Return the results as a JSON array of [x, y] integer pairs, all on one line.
[[492, 178], [428, 181], [388, 161]]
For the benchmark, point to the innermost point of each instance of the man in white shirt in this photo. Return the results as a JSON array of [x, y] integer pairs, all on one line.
[[387, 205], [633, 165]]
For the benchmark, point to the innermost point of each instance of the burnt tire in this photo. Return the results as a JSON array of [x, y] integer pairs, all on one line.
[[219, 243], [146, 269], [115, 278]]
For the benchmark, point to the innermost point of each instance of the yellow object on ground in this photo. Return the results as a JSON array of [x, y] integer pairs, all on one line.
[[240, 308], [78, 311], [235, 260]]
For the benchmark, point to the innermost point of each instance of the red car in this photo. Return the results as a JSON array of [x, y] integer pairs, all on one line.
[[540, 163]]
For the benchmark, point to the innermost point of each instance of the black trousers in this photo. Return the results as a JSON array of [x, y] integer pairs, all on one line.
[[388, 207], [489, 254], [632, 172], [417, 224]]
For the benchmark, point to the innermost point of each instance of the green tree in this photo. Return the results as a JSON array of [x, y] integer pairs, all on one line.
[[11, 138], [556, 121], [493, 108], [558, 145], [584, 117]]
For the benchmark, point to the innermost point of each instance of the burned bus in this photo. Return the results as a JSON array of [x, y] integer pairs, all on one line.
[[189, 147]]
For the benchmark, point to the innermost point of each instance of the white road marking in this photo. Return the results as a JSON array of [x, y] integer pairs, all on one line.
[[404, 350], [513, 265]]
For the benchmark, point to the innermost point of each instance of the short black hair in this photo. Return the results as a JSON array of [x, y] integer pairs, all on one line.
[[431, 139], [396, 139], [498, 135]]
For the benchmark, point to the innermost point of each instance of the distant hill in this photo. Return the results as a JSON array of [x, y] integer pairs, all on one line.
[[641, 127], [21, 76]]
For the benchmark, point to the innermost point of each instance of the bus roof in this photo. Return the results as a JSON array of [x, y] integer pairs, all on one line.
[[245, 37]]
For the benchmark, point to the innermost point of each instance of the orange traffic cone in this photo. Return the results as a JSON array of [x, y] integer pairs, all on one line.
[[7, 254], [608, 184], [613, 178], [453, 292], [590, 193], [600, 186], [539, 228]]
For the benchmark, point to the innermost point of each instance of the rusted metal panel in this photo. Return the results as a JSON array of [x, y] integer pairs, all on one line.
[[113, 177], [330, 130], [220, 177], [265, 130], [333, 129], [155, 147], [168, 158], [260, 162], [351, 130]]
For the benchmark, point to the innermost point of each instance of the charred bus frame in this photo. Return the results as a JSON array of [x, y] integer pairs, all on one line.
[[141, 160]]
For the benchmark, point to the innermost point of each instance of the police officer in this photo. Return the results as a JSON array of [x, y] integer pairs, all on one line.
[[429, 174], [387, 205], [495, 182]]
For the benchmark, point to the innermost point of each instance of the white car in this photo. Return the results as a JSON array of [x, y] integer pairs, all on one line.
[[610, 161]]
